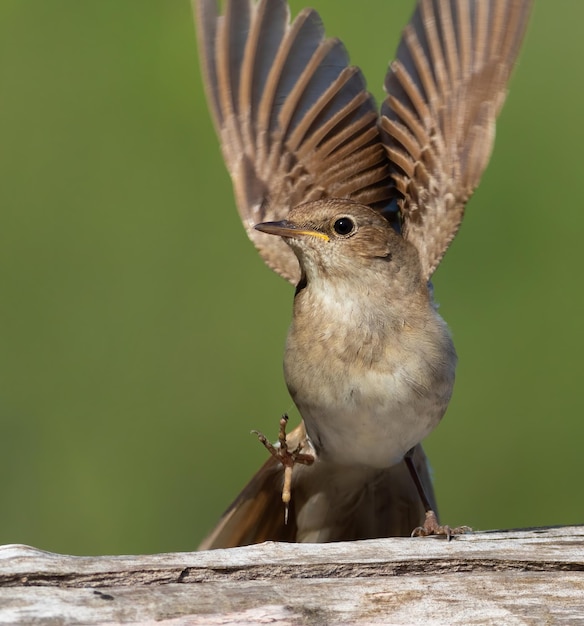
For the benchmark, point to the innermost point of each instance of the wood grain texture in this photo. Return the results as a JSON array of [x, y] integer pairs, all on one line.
[[533, 576]]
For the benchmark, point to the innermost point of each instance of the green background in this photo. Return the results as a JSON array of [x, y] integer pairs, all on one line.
[[141, 336]]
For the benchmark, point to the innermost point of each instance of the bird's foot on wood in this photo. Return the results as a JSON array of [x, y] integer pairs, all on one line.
[[432, 527], [286, 457]]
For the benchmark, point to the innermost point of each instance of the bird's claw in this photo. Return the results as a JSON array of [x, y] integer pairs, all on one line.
[[432, 527], [286, 457]]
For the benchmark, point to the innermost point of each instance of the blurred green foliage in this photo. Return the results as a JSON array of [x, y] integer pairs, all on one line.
[[141, 336]]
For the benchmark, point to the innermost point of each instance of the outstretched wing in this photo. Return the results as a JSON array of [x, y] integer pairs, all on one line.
[[445, 90], [294, 119]]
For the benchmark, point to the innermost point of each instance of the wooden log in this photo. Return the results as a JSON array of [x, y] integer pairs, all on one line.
[[532, 576]]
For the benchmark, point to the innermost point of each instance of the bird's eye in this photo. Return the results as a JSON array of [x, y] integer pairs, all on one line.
[[344, 226]]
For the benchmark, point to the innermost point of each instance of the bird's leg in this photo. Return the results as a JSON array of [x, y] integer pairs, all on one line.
[[287, 458], [431, 525]]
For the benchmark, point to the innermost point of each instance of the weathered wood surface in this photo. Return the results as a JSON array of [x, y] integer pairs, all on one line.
[[531, 576]]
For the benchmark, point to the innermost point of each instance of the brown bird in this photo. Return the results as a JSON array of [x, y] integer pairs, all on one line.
[[356, 209]]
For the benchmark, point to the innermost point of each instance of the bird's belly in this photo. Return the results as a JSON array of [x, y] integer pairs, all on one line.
[[369, 418], [376, 431]]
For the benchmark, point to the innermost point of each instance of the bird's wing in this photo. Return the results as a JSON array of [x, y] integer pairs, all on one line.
[[389, 506], [294, 119], [445, 90]]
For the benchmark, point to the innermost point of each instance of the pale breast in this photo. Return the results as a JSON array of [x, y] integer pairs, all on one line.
[[367, 387]]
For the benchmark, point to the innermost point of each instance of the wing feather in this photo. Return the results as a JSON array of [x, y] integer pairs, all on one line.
[[295, 120], [445, 91]]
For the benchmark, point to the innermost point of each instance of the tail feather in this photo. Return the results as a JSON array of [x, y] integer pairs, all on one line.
[[324, 507]]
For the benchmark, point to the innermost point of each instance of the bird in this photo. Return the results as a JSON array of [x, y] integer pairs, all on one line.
[[356, 208]]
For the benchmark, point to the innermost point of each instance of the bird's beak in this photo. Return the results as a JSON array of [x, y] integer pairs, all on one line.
[[288, 229]]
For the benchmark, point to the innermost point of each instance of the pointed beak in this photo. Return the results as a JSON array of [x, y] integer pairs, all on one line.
[[288, 229]]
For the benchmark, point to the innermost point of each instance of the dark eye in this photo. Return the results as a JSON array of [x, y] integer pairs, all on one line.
[[344, 226]]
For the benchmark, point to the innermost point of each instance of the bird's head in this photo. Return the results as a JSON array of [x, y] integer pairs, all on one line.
[[338, 239]]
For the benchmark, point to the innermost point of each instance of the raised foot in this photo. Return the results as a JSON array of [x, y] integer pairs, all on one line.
[[432, 527], [286, 457]]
